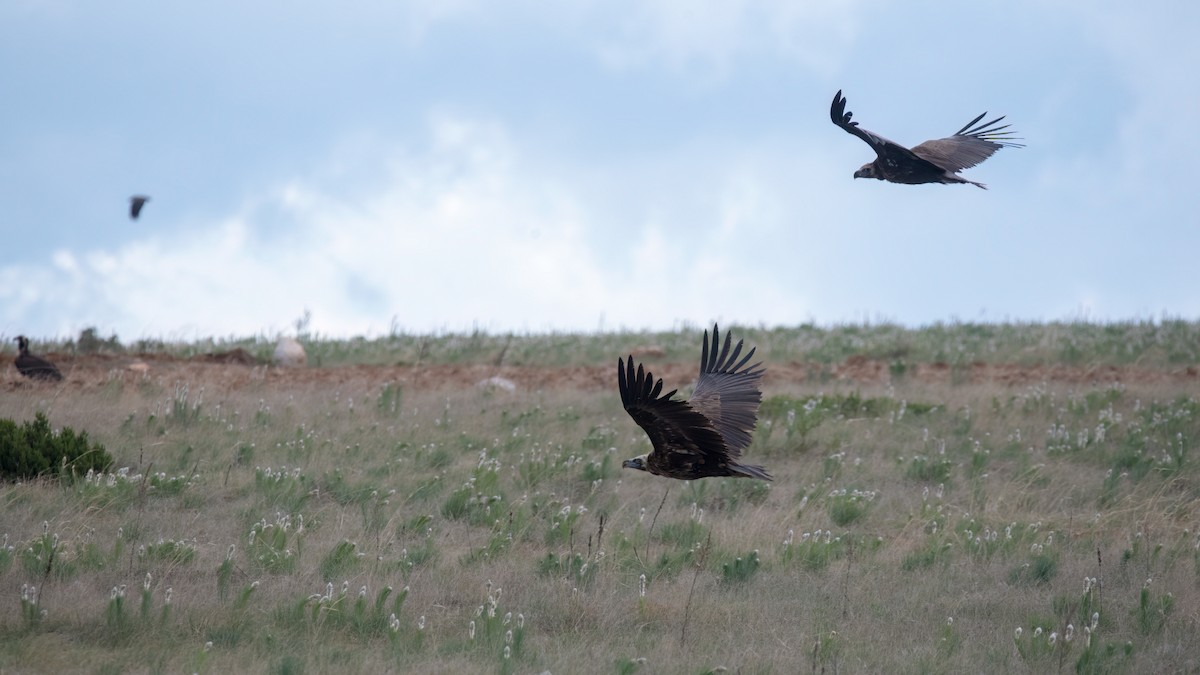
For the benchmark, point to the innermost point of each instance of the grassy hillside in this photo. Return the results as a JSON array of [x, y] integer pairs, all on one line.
[[386, 510]]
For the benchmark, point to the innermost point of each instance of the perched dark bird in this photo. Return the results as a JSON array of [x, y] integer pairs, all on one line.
[[705, 436], [136, 203], [32, 366], [937, 161]]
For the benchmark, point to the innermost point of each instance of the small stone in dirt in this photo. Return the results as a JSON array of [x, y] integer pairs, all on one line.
[[497, 382]]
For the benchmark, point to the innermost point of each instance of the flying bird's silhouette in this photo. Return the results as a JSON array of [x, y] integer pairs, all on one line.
[[32, 366], [136, 203], [705, 436], [937, 161]]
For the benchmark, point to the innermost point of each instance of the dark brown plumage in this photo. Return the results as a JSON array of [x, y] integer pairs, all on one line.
[[937, 161], [136, 203], [705, 436], [32, 366]]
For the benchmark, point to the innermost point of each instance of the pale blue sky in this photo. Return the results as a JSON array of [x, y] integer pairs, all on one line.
[[574, 165]]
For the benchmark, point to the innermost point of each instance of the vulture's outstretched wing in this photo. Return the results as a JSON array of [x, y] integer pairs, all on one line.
[[882, 146], [727, 392], [968, 146], [681, 436]]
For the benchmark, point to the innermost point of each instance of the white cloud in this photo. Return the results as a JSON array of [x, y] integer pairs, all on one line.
[[712, 37], [705, 38], [1152, 56], [466, 232]]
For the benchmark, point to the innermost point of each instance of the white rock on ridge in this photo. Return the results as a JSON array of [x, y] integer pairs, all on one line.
[[289, 352]]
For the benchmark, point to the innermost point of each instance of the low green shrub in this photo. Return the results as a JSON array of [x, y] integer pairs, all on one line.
[[33, 449]]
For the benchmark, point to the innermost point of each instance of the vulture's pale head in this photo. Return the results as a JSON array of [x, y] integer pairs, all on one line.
[[866, 171], [638, 463]]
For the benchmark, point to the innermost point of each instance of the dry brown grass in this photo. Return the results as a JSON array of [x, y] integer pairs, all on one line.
[[879, 603]]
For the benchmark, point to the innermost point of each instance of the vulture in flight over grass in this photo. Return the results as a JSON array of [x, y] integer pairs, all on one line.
[[32, 366], [705, 436], [136, 203], [937, 161]]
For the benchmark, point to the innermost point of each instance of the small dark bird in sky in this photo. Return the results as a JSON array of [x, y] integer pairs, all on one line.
[[705, 436], [136, 203], [937, 161], [32, 366]]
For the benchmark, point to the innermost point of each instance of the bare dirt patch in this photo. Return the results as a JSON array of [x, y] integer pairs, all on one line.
[[234, 370]]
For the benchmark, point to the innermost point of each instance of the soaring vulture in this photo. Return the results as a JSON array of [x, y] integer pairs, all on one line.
[[705, 436], [32, 366], [136, 203], [937, 161]]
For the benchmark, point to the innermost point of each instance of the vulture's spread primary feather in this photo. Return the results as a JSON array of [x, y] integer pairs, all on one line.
[[33, 366], [705, 436], [937, 161]]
